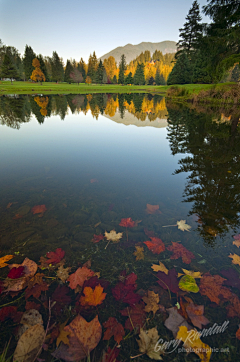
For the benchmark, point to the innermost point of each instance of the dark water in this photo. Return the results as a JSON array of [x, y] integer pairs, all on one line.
[[95, 159]]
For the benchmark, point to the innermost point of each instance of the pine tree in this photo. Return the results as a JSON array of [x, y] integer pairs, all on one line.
[[139, 78], [114, 80], [200, 71], [68, 70], [8, 69], [57, 68], [159, 78], [82, 68], [191, 31], [122, 68], [129, 79], [105, 78], [92, 66], [28, 57], [43, 67], [99, 73], [181, 72]]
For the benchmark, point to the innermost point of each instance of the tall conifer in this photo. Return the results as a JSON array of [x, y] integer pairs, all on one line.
[[122, 67], [28, 57]]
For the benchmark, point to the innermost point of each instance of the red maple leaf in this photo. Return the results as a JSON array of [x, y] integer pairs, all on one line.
[[168, 281], [97, 238], [136, 316], [156, 245], [94, 281], [114, 328], [127, 223], [111, 355], [60, 295], [124, 291], [32, 305], [54, 257], [36, 290], [179, 251], [16, 273], [39, 209], [10, 312]]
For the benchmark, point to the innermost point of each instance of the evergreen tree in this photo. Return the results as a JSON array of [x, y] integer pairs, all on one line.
[[105, 78], [181, 72], [68, 71], [159, 78], [8, 69], [82, 68], [151, 80], [28, 57], [200, 70], [57, 68], [92, 66], [43, 67], [191, 31], [99, 73], [122, 68], [129, 79], [114, 80], [139, 78]]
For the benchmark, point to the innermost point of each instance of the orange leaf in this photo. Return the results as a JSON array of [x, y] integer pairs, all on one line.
[[39, 209], [93, 297], [211, 286], [113, 329], [155, 245], [4, 259], [152, 209], [79, 277], [235, 259]]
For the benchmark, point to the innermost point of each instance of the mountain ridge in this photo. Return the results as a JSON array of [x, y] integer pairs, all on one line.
[[132, 51]]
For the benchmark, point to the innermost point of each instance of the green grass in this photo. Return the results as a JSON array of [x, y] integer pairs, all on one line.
[[82, 88]]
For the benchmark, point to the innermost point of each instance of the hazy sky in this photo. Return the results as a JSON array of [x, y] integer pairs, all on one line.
[[75, 28]]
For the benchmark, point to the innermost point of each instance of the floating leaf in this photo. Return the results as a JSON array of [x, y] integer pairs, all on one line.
[[4, 259], [83, 338], [92, 297], [160, 267], [113, 236], [179, 251], [195, 313], [211, 286], [152, 301], [152, 209], [39, 209], [29, 344], [188, 284], [235, 259], [54, 257], [183, 226], [127, 223], [139, 253], [156, 245], [147, 343], [79, 277], [97, 238], [195, 343], [192, 273], [114, 328]]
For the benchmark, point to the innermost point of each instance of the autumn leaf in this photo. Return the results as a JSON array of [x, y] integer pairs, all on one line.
[[238, 332], [92, 297], [136, 316], [54, 257], [179, 251], [36, 279], [192, 273], [4, 259], [127, 223], [234, 307], [30, 268], [147, 343], [16, 273], [113, 236], [183, 226], [83, 338], [195, 343], [211, 286], [232, 276], [97, 238], [236, 242], [155, 245], [174, 321], [63, 273], [139, 253], [79, 277], [114, 328], [124, 290], [188, 284], [36, 290], [29, 344], [39, 209], [152, 300], [152, 209], [60, 296], [63, 335], [235, 259], [160, 267], [195, 313], [168, 281]]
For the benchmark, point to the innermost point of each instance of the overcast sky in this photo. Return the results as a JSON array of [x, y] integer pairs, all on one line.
[[76, 28]]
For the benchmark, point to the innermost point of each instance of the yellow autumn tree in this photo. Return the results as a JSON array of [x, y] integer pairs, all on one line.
[[37, 74], [110, 67], [42, 102], [88, 80]]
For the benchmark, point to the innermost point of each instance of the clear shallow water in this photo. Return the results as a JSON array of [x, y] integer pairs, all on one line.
[[107, 161]]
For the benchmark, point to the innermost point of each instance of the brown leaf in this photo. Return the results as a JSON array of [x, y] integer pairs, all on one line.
[[235, 259], [161, 267], [79, 277], [152, 301], [139, 253], [114, 328], [195, 313], [63, 273], [211, 286], [152, 209]]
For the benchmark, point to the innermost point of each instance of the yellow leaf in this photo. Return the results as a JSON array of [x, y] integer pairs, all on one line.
[[63, 335], [4, 259], [235, 258], [192, 341], [236, 242], [160, 267], [139, 253], [192, 273]]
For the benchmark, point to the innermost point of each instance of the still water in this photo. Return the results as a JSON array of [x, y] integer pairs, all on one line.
[[93, 160]]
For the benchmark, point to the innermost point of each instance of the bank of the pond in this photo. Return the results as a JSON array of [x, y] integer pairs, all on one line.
[[82, 88], [218, 94]]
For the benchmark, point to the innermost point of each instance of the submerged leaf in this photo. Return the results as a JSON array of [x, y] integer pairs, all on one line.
[[188, 284], [139, 253], [79, 277], [113, 236], [160, 267], [156, 245], [195, 313], [127, 223], [179, 251], [92, 297], [114, 328], [152, 209], [183, 226], [192, 273], [147, 343], [151, 301], [235, 259], [4, 259]]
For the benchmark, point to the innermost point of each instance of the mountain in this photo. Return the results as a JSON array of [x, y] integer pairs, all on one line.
[[132, 51], [130, 119]]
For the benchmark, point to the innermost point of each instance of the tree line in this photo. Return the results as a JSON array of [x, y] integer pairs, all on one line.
[[145, 69], [209, 53]]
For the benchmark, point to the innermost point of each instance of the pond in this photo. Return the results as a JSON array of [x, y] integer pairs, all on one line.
[[72, 167]]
